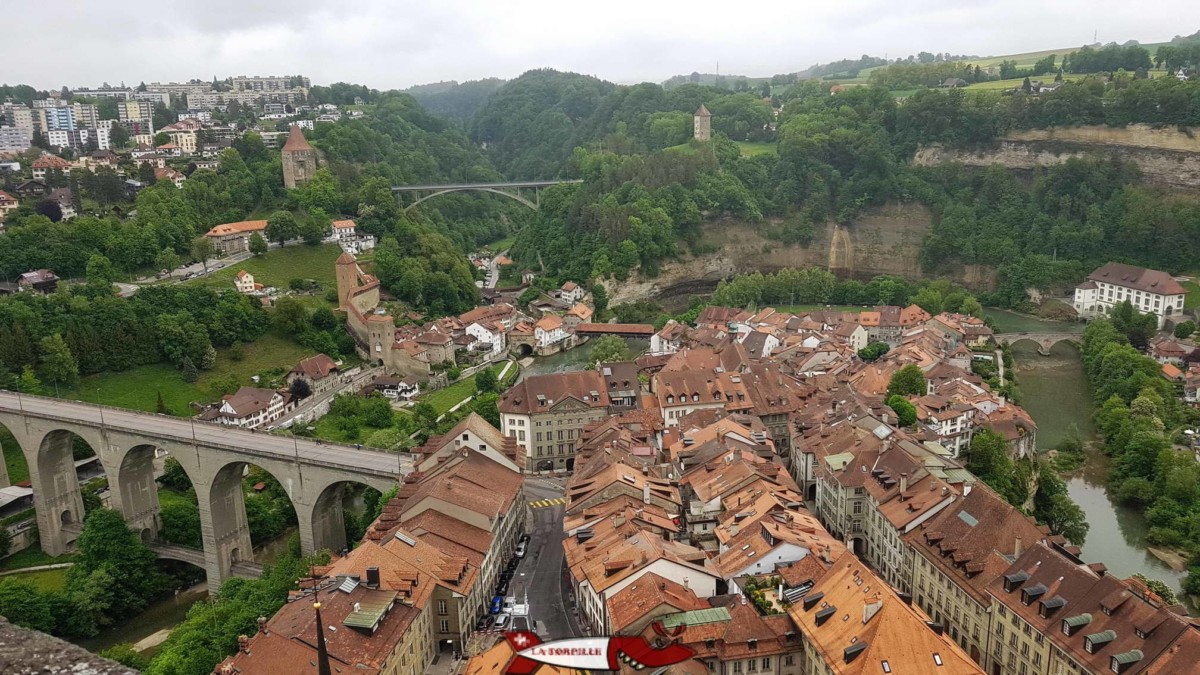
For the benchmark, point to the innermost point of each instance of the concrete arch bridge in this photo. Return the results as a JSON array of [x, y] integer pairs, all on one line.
[[215, 457]]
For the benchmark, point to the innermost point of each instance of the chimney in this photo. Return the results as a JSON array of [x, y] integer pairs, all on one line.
[[372, 577], [903, 483], [685, 583], [262, 624], [1017, 547], [243, 644]]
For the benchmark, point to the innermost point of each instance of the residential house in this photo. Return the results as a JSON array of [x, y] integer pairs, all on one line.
[[951, 422], [390, 386], [8, 204], [31, 189], [682, 392], [669, 338], [579, 313], [168, 174], [549, 330], [571, 293], [1149, 291], [346, 234], [615, 554], [319, 372], [46, 163], [249, 407], [42, 281], [244, 283]]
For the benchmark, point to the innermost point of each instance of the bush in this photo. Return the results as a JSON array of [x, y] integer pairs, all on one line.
[[1185, 329]]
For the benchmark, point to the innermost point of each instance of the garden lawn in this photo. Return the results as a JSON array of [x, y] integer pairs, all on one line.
[[138, 388], [47, 581], [751, 148], [31, 557], [280, 265], [1192, 299], [443, 400]]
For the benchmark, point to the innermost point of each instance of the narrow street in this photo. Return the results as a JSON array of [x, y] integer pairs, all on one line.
[[541, 572]]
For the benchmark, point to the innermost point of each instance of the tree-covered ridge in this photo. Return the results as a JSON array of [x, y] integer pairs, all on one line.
[[457, 101], [532, 124]]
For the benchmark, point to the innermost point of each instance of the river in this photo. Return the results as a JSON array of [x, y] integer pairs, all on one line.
[[577, 359], [155, 623], [1055, 391]]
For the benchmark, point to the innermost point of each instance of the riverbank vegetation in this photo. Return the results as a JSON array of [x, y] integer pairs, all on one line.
[[211, 629], [1139, 416], [114, 576]]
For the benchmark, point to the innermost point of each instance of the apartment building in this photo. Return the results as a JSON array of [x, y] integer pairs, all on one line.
[[135, 111], [1056, 615], [956, 554], [851, 622], [547, 415]]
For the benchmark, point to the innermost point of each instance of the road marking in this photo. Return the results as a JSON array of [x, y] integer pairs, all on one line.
[[544, 503]]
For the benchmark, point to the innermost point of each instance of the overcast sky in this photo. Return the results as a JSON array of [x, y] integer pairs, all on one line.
[[398, 43]]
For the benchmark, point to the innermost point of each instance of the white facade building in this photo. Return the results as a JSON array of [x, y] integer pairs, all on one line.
[[1149, 291]]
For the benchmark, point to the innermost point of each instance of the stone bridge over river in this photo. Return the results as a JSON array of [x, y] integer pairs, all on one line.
[[215, 457], [1044, 341]]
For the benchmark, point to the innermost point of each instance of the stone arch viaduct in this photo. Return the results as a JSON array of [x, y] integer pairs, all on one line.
[[214, 457], [1044, 341]]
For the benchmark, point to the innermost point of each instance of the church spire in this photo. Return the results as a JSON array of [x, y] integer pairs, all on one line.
[[322, 654]]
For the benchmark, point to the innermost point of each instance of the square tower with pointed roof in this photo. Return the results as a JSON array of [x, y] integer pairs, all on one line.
[[702, 124], [299, 159]]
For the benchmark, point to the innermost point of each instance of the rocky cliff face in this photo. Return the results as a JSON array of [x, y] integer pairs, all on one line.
[[1168, 157], [886, 241]]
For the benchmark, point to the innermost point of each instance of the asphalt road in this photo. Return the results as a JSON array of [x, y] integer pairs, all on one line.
[[540, 573], [284, 448]]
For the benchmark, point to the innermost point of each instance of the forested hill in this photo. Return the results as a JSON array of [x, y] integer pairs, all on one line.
[[825, 156], [532, 124], [458, 101]]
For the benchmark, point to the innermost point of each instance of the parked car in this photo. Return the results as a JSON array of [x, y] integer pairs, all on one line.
[[512, 564], [502, 588], [521, 548], [497, 603], [506, 575], [485, 622], [502, 621], [524, 539]]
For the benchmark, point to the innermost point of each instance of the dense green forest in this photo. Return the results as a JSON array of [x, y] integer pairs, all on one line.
[[453, 100], [646, 190]]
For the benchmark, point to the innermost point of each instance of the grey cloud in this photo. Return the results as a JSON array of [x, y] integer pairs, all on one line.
[[389, 43]]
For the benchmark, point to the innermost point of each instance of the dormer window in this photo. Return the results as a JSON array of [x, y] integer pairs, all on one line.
[[670, 399], [695, 398], [1096, 641]]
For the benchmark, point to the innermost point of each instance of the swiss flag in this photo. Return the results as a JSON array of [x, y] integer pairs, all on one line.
[[521, 640]]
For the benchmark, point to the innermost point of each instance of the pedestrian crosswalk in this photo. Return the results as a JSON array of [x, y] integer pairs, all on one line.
[[544, 503]]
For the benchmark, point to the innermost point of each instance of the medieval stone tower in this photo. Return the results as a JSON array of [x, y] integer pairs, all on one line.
[[701, 124], [299, 159], [347, 280]]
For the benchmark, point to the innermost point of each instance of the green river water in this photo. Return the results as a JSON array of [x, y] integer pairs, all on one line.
[[1055, 391]]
